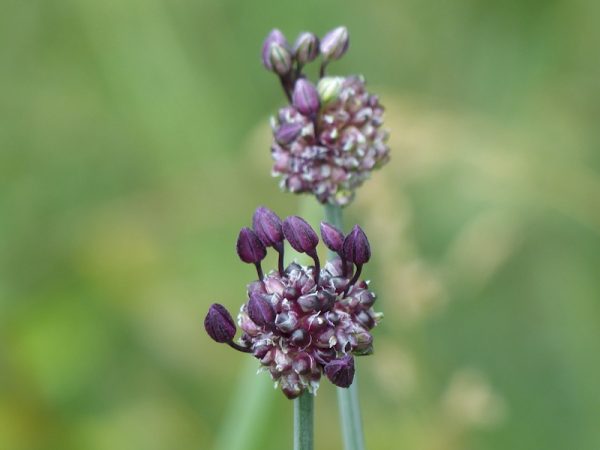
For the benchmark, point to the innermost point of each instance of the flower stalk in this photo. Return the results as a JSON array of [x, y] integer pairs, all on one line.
[[348, 403], [303, 421]]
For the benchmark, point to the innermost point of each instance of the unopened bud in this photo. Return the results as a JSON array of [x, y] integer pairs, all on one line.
[[300, 338], [306, 48], [218, 323], [288, 132], [329, 88], [305, 97], [274, 37], [356, 247], [341, 371], [267, 226], [332, 237], [286, 321], [280, 59], [249, 247], [335, 43], [303, 363], [260, 310], [309, 302], [300, 235]]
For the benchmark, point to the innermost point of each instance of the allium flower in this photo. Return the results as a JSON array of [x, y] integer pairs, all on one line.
[[327, 145], [303, 322]]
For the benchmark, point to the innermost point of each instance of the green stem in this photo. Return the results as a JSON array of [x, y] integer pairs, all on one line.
[[347, 398], [303, 422]]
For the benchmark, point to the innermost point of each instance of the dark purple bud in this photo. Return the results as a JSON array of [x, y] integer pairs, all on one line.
[[249, 247], [218, 323], [356, 247], [275, 36], [309, 302], [300, 338], [326, 338], [305, 97], [334, 44], [366, 298], [288, 132], [341, 371], [280, 59], [291, 390], [306, 48], [332, 237], [286, 322], [326, 300], [260, 311], [324, 355], [267, 226], [300, 235], [260, 351], [303, 363], [365, 319]]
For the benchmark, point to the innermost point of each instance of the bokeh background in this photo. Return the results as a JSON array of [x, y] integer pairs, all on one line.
[[134, 143]]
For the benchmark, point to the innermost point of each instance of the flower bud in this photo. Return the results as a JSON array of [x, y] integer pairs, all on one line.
[[288, 132], [275, 36], [309, 302], [303, 364], [332, 237], [260, 311], [286, 322], [356, 247], [267, 226], [218, 323], [306, 48], [335, 43], [249, 247], [300, 338], [341, 371], [329, 88], [300, 235], [290, 389], [305, 97], [280, 59]]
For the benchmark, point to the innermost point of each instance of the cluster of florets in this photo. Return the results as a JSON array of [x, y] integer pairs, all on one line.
[[302, 321], [329, 138]]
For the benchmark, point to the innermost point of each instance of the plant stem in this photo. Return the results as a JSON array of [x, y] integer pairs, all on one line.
[[303, 422], [347, 398]]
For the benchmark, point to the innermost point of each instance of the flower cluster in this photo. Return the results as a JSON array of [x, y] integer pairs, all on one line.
[[329, 138], [302, 321]]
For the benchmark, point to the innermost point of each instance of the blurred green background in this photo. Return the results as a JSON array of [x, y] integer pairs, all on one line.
[[134, 143]]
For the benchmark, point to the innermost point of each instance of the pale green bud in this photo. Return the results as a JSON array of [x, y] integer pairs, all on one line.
[[329, 88]]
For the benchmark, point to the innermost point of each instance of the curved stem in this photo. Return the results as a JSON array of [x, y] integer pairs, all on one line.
[[348, 403], [303, 422]]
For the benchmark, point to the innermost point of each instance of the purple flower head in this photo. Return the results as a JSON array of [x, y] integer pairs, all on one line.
[[302, 322], [328, 139], [218, 323], [306, 47], [335, 43], [305, 97], [341, 371], [334, 151]]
